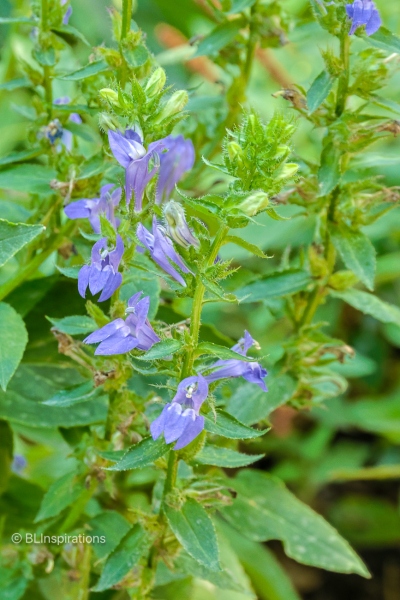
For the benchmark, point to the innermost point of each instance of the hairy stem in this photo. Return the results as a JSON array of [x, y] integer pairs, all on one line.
[[343, 86], [47, 82], [126, 18]]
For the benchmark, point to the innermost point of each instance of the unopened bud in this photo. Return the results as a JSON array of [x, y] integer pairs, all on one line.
[[177, 227], [106, 122], [254, 203], [287, 171], [175, 104], [234, 150], [110, 95], [156, 82], [282, 152]]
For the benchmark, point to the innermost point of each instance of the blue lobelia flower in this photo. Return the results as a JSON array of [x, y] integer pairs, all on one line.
[[364, 12], [180, 420], [177, 227], [251, 371], [121, 335], [140, 164], [161, 250], [102, 273], [92, 208], [68, 13], [54, 131], [178, 159]]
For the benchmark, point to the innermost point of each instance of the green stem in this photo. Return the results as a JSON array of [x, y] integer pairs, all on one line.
[[343, 86], [126, 18], [53, 244], [47, 81]]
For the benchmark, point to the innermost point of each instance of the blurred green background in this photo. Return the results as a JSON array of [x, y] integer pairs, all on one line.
[[344, 460]]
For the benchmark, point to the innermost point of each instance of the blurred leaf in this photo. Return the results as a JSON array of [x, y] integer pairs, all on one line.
[[319, 90], [136, 57], [15, 84], [329, 171], [219, 37], [225, 457], [74, 325], [71, 272], [123, 558], [13, 340], [12, 587], [370, 305], [14, 236], [357, 252], [227, 426], [266, 510], [195, 531], [221, 352], [15, 157], [112, 526], [161, 350], [240, 5], [34, 179], [141, 455], [250, 404], [69, 34], [384, 40], [276, 285], [72, 396], [94, 68], [267, 576], [62, 493]]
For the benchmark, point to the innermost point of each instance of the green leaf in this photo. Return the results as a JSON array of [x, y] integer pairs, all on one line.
[[62, 493], [329, 172], [228, 426], [112, 526], [319, 90], [221, 352], [141, 455], [125, 556], [32, 384], [15, 157], [225, 457], [219, 37], [74, 395], [162, 349], [195, 531], [384, 40], [94, 68], [66, 32], [357, 252], [13, 340], [74, 325], [265, 510], [136, 57], [269, 579], [250, 404], [33, 179], [275, 286], [233, 239], [14, 236], [16, 21], [15, 84], [71, 272], [370, 305], [238, 6]]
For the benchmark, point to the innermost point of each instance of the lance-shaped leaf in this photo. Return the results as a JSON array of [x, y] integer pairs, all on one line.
[[221, 352], [98, 66], [219, 37], [266, 510], [370, 305], [357, 252], [141, 455], [13, 340], [319, 90], [225, 457], [14, 236], [329, 172], [195, 531], [385, 40], [33, 179], [112, 526], [74, 325], [62, 493], [125, 556], [274, 286], [75, 395], [162, 349], [228, 426]]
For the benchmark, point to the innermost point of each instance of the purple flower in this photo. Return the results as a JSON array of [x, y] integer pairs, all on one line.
[[66, 136], [92, 208], [363, 12], [121, 336], [177, 227], [140, 164], [18, 464], [180, 419], [178, 159], [102, 273], [251, 371], [68, 13], [162, 251]]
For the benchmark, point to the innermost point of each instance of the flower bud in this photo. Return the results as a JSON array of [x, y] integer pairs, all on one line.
[[106, 122], [156, 82], [234, 150], [287, 171], [175, 104], [110, 95], [254, 203], [177, 227]]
